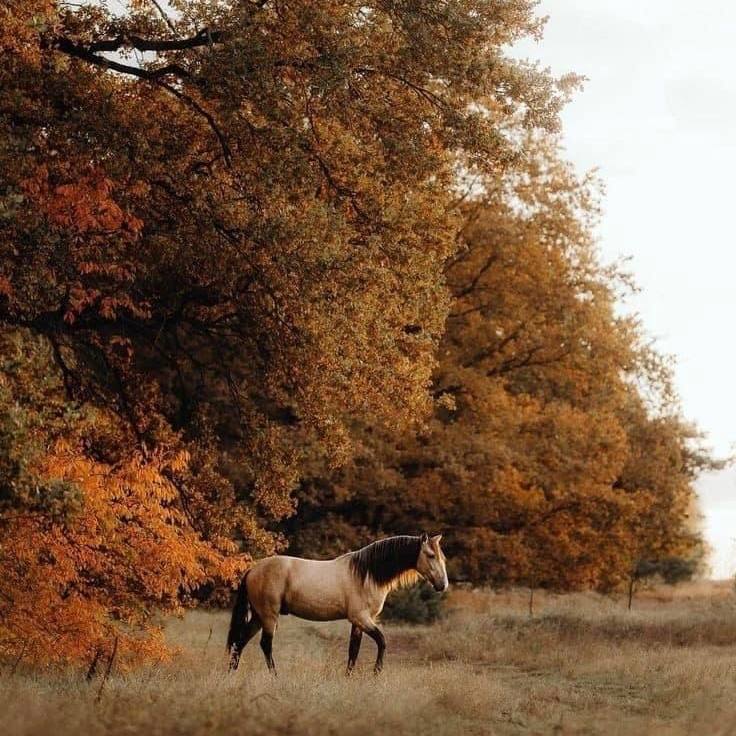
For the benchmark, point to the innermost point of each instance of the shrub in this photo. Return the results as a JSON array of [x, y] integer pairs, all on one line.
[[418, 604]]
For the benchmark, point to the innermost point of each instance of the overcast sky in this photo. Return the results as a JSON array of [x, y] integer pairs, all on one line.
[[656, 117]]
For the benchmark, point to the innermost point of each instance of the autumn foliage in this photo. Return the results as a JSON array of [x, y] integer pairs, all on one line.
[[555, 456], [299, 273]]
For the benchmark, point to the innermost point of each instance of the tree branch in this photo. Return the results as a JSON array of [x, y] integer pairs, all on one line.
[[164, 16], [85, 53], [489, 350], [205, 37], [191, 102], [478, 276]]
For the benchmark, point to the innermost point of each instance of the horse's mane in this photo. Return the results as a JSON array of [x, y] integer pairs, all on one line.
[[387, 562]]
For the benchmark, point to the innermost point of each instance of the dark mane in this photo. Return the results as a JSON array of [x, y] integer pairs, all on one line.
[[386, 560]]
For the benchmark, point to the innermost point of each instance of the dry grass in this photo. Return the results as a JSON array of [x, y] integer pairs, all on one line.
[[582, 665]]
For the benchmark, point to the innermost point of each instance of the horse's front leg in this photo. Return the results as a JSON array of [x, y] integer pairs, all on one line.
[[356, 635], [364, 622], [377, 635]]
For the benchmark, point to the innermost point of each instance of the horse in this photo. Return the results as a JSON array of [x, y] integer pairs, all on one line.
[[353, 586]]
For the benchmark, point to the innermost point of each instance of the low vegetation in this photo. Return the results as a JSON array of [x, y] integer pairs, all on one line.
[[418, 604], [582, 664]]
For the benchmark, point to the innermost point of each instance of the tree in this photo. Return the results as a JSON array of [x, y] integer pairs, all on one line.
[[223, 234], [666, 459], [556, 455]]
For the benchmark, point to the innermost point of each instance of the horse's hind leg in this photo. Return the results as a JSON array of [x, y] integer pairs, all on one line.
[[252, 628], [269, 627]]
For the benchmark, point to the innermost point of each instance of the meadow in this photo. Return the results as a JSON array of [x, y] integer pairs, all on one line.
[[582, 664]]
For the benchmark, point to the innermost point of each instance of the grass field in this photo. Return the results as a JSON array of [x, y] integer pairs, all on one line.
[[581, 665]]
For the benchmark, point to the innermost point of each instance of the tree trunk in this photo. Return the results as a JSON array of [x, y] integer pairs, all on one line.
[[531, 602]]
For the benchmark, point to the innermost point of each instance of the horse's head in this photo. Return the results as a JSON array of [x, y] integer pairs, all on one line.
[[431, 562]]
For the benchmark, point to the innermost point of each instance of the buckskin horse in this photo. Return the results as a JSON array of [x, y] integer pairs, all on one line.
[[353, 586]]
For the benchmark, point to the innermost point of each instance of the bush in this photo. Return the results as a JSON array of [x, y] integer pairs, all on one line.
[[418, 604]]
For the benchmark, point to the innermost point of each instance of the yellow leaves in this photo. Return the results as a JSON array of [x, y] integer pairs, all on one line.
[[541, 463]]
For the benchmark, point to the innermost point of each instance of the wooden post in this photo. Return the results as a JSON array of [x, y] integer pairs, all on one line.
[[108, 670]]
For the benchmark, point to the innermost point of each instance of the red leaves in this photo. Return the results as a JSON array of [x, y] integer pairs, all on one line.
[[84, 207], [6, 288], [86, 212]]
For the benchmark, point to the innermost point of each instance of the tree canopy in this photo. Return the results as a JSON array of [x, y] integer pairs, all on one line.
[[556, 455], [316, 261]]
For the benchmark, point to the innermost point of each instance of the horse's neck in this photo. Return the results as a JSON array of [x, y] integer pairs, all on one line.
[[402, 579], [374, 595]]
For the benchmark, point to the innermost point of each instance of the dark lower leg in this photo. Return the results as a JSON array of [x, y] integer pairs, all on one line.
[[267, 647], [355, 638], [377, 635], [251, 630]]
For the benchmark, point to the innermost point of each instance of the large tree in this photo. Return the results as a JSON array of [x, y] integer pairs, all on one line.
[[223, 232], [556, 456]]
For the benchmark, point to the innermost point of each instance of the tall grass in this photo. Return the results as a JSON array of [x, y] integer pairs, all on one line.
[[582, 664]]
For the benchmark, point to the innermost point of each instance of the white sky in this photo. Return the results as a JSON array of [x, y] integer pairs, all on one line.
[[656, 117]]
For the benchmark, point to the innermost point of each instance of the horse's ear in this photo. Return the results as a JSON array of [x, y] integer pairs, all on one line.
[[437, 538], [424, 538]]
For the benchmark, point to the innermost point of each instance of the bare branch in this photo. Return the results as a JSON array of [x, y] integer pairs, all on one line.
[[205, 37], [78, 51], [164, 16]]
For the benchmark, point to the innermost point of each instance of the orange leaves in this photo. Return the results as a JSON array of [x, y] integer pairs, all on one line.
[[21, 24], [84, 206], [98, 568], [284, 305], [6, 288], [274, 298], [86, 212], [128, 547]]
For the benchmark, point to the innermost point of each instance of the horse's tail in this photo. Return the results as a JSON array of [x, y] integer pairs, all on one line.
[[241, 614]]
